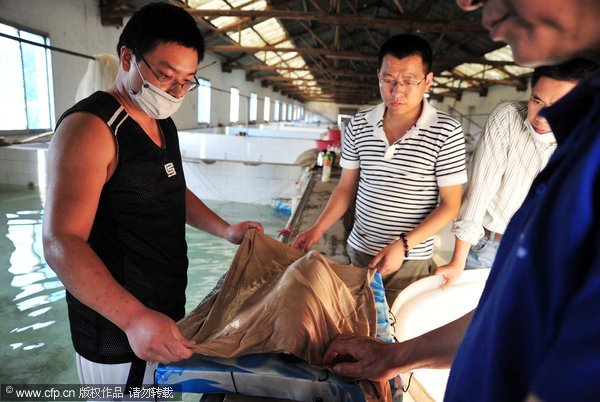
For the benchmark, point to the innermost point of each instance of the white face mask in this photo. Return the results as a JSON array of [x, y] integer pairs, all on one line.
[[546, 138], [154, 101]]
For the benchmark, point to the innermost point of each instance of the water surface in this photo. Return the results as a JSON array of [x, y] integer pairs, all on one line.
[[35, 343]]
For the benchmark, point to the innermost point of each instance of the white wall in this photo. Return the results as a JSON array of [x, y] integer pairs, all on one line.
[[236, 181], [329, 111], [75, 25], [23, 165], [70, 24], [221, 84]]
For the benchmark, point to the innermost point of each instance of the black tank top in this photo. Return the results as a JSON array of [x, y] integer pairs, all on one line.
[[138, 231]]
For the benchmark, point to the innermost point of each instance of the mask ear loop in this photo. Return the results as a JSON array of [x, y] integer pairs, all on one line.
[[405, 389], [137, 68], [393, 324]]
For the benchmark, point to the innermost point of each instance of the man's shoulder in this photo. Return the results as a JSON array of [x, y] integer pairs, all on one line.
[[100, 104], [507, 122], [441, 119], [511, 108], [99, 99], [447, 119], [369, 109], [365, 116]]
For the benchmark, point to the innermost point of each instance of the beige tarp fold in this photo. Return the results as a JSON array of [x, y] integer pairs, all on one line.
[[277, 299]]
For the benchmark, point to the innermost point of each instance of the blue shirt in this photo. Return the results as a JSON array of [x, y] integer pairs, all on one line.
[[537, 327]]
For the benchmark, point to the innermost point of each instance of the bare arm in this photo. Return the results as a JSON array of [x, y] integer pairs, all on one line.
[[81, 159], [369, 358], [391, 257], [339, 202], [456, 266], [201, 217]]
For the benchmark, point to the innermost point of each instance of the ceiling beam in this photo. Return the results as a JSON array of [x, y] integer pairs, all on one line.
[[346, 55], [273, 78], [330, 85], [424, 8], [234, 26], [400, 6], [513, 82], [333, 71], [355, 20]]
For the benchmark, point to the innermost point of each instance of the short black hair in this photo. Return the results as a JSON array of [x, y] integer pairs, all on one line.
[[404, 45], [157, 23], [573, 71]]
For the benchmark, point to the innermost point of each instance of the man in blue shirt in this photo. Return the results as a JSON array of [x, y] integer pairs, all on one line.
[[536, 333]]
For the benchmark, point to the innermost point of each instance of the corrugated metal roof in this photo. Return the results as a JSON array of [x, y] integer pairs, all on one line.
[[338, 42], [265, 33]]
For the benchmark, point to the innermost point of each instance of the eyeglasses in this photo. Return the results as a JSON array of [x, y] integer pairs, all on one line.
[[389, 85], [170, 83]]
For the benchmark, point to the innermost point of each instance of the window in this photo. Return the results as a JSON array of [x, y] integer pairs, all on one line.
[[267, 110], [26, 100], [234, 105], [275, 110], [204, 101], [253, 106], [283, 111], [289, 112]]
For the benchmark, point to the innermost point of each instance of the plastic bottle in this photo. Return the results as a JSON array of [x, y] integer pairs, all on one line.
[[320, 158], [327, 159], [332, 155]]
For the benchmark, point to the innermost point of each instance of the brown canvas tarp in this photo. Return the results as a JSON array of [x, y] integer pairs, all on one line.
[[277, 299]]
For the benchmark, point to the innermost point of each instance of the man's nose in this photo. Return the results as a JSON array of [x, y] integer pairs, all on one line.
[[398, 88], [178, 91], [469, 5]]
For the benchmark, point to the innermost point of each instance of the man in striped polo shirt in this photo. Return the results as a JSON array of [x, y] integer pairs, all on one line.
[[404, 161], [515, 146]]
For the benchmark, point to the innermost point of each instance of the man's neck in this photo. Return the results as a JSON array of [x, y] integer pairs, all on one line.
[[119, 91], [396, 125], [147, 123]]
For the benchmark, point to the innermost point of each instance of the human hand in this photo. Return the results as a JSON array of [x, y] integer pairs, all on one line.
[[305, 240], [389, 259], [235, 233], [450, 272], [360, 357], [155, 337]]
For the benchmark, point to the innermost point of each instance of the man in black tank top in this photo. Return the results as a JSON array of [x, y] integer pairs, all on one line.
[[117, 205]]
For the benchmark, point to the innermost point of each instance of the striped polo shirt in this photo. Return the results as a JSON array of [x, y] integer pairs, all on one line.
[[398, 183]]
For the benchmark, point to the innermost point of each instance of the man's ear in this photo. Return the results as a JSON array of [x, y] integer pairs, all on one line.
[[126, 58], [428, 80]]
